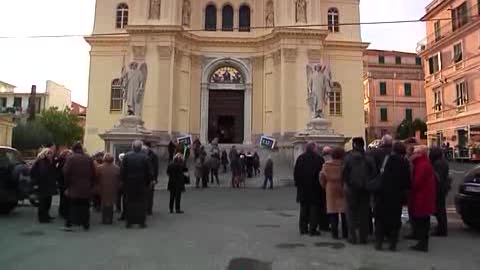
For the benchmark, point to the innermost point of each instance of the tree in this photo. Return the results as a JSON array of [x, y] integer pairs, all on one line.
[[407, 129], [63, 125], [30, 135]]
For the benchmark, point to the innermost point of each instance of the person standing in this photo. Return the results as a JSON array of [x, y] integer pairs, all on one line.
[[79, 173], [390, 196], [327, 153], [136, 174], [331, 180], [224, 160], [268, 171], [108, 181], [214, 165], [422, 197], [198, 171], [171, 150], [358, 169], [441, 168], [256, 163], [176, 182], [309, 192], [44, 174], [96, 200], [63, 208], [154, 163]]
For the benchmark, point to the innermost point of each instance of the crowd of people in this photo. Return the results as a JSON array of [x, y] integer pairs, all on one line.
[[83, 181], [366, 191]]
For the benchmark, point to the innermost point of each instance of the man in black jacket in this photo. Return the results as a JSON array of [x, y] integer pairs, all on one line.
[[154, 163], [136, 174], [309, 191]]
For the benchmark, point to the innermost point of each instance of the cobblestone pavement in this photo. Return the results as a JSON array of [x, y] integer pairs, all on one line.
[[246, 229]]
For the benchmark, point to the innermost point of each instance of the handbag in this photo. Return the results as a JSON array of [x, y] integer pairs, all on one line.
[[375, 183]]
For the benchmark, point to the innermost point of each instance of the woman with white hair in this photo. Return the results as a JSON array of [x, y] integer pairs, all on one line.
[[44, 174]]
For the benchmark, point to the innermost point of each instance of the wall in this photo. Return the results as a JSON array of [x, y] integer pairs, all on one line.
[[6, 128], [58, 96]]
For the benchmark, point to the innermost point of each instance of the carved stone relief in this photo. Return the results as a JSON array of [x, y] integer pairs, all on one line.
[[269, 14], [186, 12], [155, 7], [301, 11]]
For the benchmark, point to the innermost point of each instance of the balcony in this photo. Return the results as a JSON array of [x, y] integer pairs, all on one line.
[[449, 28]]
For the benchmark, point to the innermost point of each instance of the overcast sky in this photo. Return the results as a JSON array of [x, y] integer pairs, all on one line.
[[27, 61]]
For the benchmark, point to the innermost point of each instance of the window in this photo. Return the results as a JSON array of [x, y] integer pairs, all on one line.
[[227, 18], [122, 16], [438, 33], [38, 104], [408, 114], [335, 100], [407, 89], [17, 102], [398, 60], [437, 100], [462, 97], [3, 102], [459, 16], [383, 88], [457, 52], [418, 61], [244, 19], [383, 114], [434, 63], [116, 98], [381, 59], [211, 18], [333, 20]]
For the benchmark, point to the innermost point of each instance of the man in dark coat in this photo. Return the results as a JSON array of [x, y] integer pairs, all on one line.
[[136, 174], [79, 174], [441, 168], [309, 191], [176, 182], [390, 197], [154, 163], [171, 150], [358, 169], [268, 171], [44, 174]]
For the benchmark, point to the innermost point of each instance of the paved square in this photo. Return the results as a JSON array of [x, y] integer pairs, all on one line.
[[247, 229]]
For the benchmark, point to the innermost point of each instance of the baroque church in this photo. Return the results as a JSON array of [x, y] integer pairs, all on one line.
[[232, 69]]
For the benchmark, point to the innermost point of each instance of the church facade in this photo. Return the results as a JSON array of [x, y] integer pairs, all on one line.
[[235, 69]]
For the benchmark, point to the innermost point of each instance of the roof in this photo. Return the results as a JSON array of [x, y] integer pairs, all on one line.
[[386, 52], [78, 108], [7, 84]]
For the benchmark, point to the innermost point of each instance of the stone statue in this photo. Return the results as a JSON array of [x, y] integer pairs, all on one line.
[[269, 14], [318, 88], [186, 11], [154, 12], [301, 11], [133, 84]]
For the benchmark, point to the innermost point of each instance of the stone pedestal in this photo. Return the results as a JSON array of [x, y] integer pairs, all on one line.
[[119, 139], [319, 131]]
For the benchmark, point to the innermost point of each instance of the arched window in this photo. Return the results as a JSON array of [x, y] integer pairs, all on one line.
[[227, 18], [211, 18], [122, 16], [335, 100], [226, 75], [333, 20], [116, 96], [244, 18]]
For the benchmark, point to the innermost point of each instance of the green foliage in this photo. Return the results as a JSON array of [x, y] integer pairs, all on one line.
[[63, 125], [30, 135], [408, 128]]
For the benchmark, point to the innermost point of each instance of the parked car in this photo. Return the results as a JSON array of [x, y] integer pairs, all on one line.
[[374, 144], [15, 181], [467, 201]]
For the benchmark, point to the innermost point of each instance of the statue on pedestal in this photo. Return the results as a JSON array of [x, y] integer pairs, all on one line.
[[133, 83], [318, 88]]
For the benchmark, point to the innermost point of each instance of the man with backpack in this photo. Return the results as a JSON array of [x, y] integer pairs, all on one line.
[[358, 170]]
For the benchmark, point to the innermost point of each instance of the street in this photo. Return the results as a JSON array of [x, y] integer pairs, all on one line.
[[222, 228]]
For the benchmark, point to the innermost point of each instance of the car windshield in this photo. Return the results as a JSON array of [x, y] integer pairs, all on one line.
[[9, 157]]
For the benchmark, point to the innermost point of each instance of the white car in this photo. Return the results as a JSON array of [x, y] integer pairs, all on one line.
[[374, 144]]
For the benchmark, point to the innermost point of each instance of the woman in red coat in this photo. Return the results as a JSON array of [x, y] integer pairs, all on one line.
[[422, 197]]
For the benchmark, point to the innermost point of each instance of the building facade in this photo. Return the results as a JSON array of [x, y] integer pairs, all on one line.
[[231, 69], [16, 102], [393, 91], [451, 58]]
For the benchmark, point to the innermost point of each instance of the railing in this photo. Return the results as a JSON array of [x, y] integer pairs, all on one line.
[[447, 29]]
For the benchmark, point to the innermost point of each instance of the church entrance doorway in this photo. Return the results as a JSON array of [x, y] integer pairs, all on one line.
[[226, 116]]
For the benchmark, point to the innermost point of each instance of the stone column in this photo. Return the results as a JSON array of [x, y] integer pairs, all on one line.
[[204, 114], [247, 118]]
